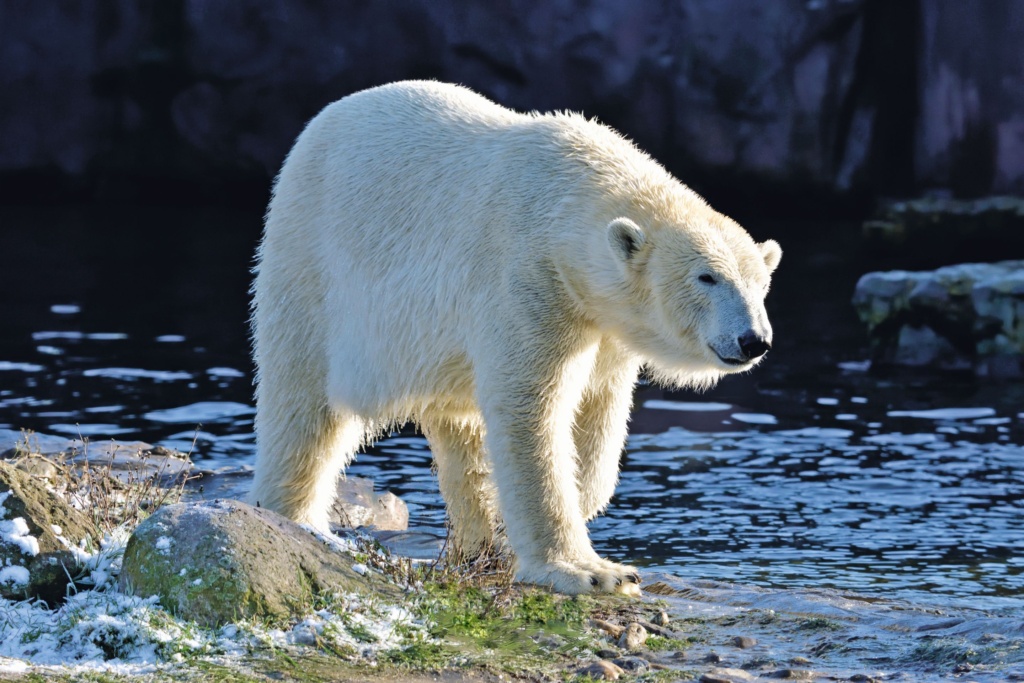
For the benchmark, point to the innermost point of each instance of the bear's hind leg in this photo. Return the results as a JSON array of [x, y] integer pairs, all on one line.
[[465, 481], [298, 465]]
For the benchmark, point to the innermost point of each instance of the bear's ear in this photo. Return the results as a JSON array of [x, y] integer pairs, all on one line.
[[772, 254], [625, 238]]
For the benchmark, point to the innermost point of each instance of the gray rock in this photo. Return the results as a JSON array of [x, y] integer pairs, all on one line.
[[220, 561], [725, 675], [744, 642], [962, 316], [358, 506], [794, 674], [634, 665], [38, 528]]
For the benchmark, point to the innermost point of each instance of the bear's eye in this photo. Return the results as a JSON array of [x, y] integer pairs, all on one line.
[[708, 279]]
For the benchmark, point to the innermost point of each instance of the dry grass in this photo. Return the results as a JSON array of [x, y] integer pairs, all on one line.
[[112, 496]]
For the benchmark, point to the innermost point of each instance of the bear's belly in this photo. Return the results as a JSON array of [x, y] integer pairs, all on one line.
[[374, 379]]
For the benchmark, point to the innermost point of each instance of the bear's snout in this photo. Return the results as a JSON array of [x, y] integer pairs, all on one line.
[[752, 345]]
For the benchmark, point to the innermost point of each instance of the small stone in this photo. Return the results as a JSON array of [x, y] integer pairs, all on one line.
[[661, 618], [602, 670], [793, 674], [634, 665], [633, 638], [390, 513], [713, 658], [963, 668], [744, 642], [727, 676], [614, 630], [800, 661], [552, 642]]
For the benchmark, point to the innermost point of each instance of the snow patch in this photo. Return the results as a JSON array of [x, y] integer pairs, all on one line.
[[15, 532], [14, 576], [163, 544]]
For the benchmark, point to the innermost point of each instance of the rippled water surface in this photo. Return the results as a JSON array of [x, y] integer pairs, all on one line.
[[814, 472]]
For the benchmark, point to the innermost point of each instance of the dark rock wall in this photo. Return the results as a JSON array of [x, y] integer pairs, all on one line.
[[971, 136], [136, 98]]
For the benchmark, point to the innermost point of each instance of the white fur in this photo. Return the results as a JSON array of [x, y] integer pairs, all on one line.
[[499, 278]]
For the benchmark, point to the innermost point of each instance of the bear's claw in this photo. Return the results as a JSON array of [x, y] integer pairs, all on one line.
[[586, 576]]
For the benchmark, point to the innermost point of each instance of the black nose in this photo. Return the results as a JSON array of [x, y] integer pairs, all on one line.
[[753, 346]]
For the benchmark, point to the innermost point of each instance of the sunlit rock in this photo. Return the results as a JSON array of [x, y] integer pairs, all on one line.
[[957, 317], [220, 561], [38, 533]]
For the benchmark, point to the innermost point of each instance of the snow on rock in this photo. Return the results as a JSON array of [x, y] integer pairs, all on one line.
[[15, 533], [14, 576]]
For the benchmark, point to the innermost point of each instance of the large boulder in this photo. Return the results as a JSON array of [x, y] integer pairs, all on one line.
[[220, 561], [959, 317], [39, 536]]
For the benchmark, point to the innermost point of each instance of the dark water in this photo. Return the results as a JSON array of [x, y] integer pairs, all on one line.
[[812, 473]]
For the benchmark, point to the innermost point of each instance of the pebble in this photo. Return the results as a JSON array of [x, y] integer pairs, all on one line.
[[607, 654], [661, 619], [794, 674], [602, 670], [552, 642], [614, 630], [713, 658], [727, 676], [744, 642], [634, 637], [634, 665]]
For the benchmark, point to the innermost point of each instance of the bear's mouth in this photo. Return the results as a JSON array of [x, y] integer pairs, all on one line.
[[729, 361]]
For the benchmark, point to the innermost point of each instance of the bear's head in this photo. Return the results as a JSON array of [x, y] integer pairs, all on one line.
[[696, 294]]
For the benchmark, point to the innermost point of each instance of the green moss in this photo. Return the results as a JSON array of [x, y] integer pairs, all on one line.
[[820, 624], [663, 644], [422, 655]]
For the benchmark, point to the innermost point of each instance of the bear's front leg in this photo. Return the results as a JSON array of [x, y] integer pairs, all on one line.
[[601, 425], [528, 406]]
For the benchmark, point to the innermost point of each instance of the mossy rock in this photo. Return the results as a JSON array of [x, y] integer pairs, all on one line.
[[51, 526], [221, 561]]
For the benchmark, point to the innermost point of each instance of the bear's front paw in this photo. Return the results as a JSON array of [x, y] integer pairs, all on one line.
[[574, 578]]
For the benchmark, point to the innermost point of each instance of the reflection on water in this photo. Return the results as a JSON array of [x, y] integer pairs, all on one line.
[[810, 473]]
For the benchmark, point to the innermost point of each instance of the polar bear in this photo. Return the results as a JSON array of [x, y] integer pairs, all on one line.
[[499, 279]]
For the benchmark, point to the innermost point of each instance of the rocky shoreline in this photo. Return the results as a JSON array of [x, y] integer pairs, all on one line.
[[155, 589]]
